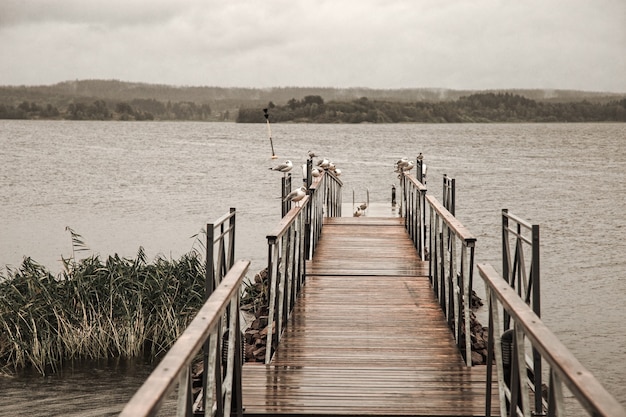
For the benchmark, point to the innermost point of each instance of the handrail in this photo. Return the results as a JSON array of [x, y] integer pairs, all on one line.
[[220, 235], [176, 365], [315, 214], [514, 265], [290, 244], [564, 368], [285, 267], [332, 193], [451, 275], [522, 274], [413, 209], [449, 193]]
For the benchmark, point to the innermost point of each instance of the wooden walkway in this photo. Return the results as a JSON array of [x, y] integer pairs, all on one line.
[[366, 337]]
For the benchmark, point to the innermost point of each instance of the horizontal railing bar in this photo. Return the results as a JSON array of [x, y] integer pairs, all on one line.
[[519, 235], [415, 181], [459, 230], [286, 221], [148, 398], [517, 219], [223, 219], [221, 235], [585, 387]]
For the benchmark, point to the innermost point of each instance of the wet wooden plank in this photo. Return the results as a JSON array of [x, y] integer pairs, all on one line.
[[367, 336]]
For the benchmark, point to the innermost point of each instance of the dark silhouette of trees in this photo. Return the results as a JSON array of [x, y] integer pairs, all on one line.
[[116, 100], [484, 107]]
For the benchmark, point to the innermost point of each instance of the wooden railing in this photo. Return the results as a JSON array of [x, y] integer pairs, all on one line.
[[521, 270], [325, 195], [286, 269], [224, 389], [331, 186], [563, 368], [449, 194], [451, 269], [413, 209], [221, 381], [290, 245], [220, 250]]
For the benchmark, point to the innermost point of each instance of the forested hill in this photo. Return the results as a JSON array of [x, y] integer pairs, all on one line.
[[476, 108], [118, 100]]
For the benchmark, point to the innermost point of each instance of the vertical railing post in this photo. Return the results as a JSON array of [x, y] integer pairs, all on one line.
[[308, 208], [422, 231], [209, 286], [285, 189], [419, 173], [271, 279], [449, 194], [231, 239], [536, 283], [506, 258]]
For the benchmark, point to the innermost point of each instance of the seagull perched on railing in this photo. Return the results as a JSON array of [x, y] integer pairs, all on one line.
[[296, 195], [323, 163], [284, 167], [404, 166], [401, 163], [312, 154]]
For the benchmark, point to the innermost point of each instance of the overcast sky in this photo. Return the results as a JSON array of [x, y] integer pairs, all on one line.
[[458, 44]]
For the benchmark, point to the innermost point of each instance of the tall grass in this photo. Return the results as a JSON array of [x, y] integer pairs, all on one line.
[[96, 309]]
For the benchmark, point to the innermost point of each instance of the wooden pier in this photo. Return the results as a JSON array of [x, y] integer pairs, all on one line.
[[358, 323], [367, 335]]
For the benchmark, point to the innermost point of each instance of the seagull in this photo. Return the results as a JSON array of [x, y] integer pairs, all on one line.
[[337, 172], [315, 172], [284, 167], [363, 206], [296, 195], [405, 167], [312, 155], [358, 212], [401, 163], [323, 163], [420, 157]]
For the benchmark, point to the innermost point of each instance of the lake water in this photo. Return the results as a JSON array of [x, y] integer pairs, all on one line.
[[155, 185]]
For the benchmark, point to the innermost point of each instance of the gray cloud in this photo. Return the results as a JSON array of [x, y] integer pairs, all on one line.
[[476, 44]]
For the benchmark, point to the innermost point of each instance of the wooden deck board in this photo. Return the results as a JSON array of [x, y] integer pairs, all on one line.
[[366, 337]]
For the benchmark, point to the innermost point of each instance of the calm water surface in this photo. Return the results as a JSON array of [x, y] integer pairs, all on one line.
[[155, 185]]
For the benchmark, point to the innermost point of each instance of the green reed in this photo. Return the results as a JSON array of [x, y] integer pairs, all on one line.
[[118, 307]]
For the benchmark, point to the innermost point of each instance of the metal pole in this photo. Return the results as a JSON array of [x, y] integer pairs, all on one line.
[[231, 251], [534, 268], [208, 290], [505, 262]]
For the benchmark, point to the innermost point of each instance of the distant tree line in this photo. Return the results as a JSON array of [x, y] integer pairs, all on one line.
[[483, 107], [136, 109], [479, 107]]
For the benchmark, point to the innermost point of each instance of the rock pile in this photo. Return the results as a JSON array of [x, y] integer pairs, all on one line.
[[478, 333], [255, 302]]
